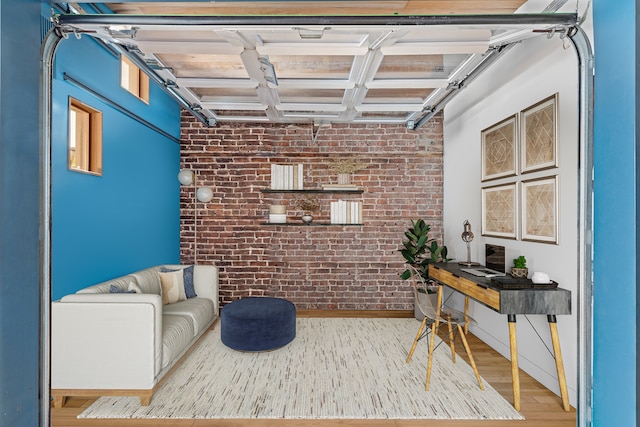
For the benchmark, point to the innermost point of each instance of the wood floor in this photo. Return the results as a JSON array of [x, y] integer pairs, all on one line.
[[540, 407]]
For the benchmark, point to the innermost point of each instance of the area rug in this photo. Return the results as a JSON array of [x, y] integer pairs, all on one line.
[[335, 368]]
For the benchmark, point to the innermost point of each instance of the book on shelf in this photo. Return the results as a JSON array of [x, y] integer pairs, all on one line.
[[346, 212], [287, 177], [345, 187]]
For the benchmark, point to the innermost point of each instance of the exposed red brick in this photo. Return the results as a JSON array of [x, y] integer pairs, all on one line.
[[336, 267]]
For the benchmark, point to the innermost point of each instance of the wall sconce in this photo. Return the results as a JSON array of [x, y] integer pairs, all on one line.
[[187, 177]]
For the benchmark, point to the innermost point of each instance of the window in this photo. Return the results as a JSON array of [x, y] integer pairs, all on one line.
[[85, 138], [133, 79]]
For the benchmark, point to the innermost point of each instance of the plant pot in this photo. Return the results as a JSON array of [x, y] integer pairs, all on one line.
[[344, 178], [307, 218], [520, 273]]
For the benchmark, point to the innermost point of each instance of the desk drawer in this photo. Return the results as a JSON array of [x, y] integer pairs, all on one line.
[[489, 297]]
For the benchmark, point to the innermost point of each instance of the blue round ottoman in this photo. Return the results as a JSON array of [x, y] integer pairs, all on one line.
[[258, 324]]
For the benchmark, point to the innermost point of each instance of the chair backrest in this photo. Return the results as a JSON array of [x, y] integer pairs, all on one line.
[[421, 290]]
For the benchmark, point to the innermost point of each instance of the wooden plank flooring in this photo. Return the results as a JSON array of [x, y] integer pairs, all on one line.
[[540, 407]]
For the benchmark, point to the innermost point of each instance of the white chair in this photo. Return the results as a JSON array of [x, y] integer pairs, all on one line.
[[437, 315]]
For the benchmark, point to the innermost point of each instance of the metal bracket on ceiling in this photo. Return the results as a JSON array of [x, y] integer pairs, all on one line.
[[411, 124], [211, 122], [131, 48], [122, 31], [455, 85], [65, 30], [155, 65]]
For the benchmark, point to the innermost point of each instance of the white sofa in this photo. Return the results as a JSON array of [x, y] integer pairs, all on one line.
[[124, 344]]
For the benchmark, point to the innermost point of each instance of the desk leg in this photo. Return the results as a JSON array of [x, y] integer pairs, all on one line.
[[466, 313], [562, 381], [515, 376]]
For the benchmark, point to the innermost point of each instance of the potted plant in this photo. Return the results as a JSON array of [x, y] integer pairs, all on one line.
[[307, 205], [519, 269], [344, 168], [418, 250]]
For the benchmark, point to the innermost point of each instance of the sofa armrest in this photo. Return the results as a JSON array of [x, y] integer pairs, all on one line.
[[106, 341]]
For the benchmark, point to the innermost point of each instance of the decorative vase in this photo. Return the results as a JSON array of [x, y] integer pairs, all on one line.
[[307, 218], [344, 178], [519, 273]]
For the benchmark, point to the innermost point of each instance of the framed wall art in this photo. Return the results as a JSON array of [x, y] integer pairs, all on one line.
[[500, 211], [499, 149], [540, 210], [539, 134]]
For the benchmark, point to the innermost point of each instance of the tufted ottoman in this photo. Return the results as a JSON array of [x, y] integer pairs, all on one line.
[[258, 324]]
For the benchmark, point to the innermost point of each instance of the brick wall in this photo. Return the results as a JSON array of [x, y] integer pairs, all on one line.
[[316, 267]]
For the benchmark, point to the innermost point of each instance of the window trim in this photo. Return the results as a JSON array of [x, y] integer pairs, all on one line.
[[92, 142], [133, 79]]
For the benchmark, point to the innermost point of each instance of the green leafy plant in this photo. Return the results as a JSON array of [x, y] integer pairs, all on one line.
[[520, 262], [419, 250]]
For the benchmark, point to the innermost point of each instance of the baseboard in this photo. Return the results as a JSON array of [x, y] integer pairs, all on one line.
[[355, 313]]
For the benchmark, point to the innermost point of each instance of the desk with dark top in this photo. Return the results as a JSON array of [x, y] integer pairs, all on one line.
[[511, 302]]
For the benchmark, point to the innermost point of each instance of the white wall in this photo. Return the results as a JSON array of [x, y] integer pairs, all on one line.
[[527, 74]]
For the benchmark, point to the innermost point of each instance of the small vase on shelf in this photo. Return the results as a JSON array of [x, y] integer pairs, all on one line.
[[307, 218]]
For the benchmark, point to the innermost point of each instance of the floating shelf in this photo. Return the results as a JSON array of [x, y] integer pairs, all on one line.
[[315, 191], [302, 224]]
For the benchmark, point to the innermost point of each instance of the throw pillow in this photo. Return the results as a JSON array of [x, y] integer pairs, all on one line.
[[172, 284], [135, 288], [113, 289], [187, 277], [189, 287]]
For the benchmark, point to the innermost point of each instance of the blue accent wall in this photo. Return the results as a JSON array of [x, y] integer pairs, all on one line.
[[20, 258], [615, 241], [128, 218]]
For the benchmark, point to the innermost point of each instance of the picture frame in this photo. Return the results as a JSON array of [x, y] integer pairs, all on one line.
[[539, 134], [540, 210], [500, 211], [499, 149]]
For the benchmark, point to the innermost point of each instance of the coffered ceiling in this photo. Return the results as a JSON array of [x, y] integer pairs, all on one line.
[[313, 62]]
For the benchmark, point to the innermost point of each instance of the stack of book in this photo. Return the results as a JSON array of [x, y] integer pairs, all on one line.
[[277, 214], [344, 212], [287, 177], [342, 187]]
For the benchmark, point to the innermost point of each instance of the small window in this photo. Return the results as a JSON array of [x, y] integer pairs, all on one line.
[[85, 138], [133, 79]]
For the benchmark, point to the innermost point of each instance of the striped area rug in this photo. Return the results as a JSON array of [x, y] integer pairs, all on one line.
[[335, 368]]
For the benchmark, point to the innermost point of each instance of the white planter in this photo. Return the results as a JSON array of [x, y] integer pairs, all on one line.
[[344, 178]]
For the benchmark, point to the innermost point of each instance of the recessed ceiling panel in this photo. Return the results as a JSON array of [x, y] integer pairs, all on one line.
[[320, 67], [211, 66], [312, 66]]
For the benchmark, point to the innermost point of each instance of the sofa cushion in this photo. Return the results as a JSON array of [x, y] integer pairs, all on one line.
[[113, 289], [172, 284], [201, 311], [133, 286], [177, 332], [187, 276], [148, 280]]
